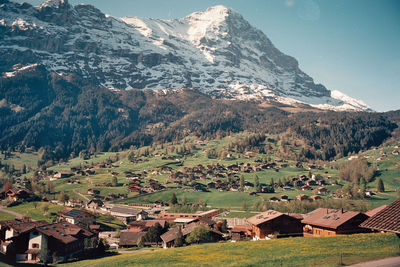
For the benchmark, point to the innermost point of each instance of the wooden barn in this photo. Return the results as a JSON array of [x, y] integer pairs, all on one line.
[[273, 222], [330, 222]]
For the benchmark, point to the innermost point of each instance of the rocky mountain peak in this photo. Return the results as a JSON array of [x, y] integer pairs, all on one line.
[[215, 51]]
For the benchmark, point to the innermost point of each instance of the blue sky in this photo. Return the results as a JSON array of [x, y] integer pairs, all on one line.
[[348, 45]]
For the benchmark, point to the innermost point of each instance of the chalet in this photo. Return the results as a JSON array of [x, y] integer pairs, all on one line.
[[169, 237], [273, 222], [302, 197], [130, 239], [274, 199], [284, 198], [316, 197], [17, 229], [144, 225], [372, 212], [241, 232], [287, 188], [385, 220], [75, 216], [311, 182], [18, 194], [64, 240], [211, 185], [94, 204], [126, 215], [330, 222], [306, 187], [321, 190], [93, 191], [62, 175]]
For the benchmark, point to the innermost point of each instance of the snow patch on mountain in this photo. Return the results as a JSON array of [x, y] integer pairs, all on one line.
[[216, 51]]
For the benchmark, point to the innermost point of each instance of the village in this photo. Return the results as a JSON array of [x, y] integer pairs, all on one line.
[[118, 203], [74, 234]]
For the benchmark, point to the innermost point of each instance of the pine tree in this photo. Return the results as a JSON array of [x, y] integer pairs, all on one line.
[[173, 200], [381, 186], [44, 254], [257, 186], [241, 183], [271, 182], [224, 226]]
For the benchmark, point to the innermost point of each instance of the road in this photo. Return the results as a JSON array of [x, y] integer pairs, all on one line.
[[16, 214], [82, 195], [388, 262]]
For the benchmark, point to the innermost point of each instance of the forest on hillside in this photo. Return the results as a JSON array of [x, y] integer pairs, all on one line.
[[64, 115]]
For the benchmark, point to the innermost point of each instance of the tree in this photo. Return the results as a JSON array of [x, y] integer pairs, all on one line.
[[7, 186], [199, 234], [154, 233], [271, 182], [114, 181], [45, 208], [257, 185], [173, 200], [381, 186], [62, 197], [178, 242], [224, 226], [241, 183], [44, 254]]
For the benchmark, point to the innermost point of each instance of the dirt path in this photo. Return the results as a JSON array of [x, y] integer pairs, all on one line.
[[81, 195], [388, 262], [16, 214]]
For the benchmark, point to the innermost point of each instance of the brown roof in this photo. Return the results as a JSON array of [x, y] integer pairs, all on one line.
[[22, 225], [372, 212], [388, 219], [264, 217], [241, 228], [330, 218], [64, 231], [173, 233], [130, 238]]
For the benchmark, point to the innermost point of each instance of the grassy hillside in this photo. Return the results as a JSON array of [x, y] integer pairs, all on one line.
[[324, 251]]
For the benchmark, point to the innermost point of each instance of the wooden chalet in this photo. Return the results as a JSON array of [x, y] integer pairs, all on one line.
[[130, 239], [241, 232], [64, 240], [385, 220], [273, 222], [144, 225], [18, 194], [76, 216], [330, 222]]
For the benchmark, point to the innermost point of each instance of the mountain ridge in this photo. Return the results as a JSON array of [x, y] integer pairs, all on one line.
[[216, 51]]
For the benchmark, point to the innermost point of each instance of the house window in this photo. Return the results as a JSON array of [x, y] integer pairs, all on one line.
[[35, 245]]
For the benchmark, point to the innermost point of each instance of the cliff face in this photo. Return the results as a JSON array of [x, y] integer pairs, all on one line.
[[216, 52]]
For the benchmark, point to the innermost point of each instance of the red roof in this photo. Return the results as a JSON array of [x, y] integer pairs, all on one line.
[[388, 219], [329, 218], [264, 217], [372, 212]]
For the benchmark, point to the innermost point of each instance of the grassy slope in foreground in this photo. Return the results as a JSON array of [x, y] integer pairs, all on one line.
[[323, 251]]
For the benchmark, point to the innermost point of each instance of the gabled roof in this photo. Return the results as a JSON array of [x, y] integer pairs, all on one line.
[[130, 238], [22, 225], [329, 218], [64, 232], [264, 217], [173, 233], [388, 219], [372, 212]]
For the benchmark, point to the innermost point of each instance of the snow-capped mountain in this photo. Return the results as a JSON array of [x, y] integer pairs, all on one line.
[[216, 52]]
